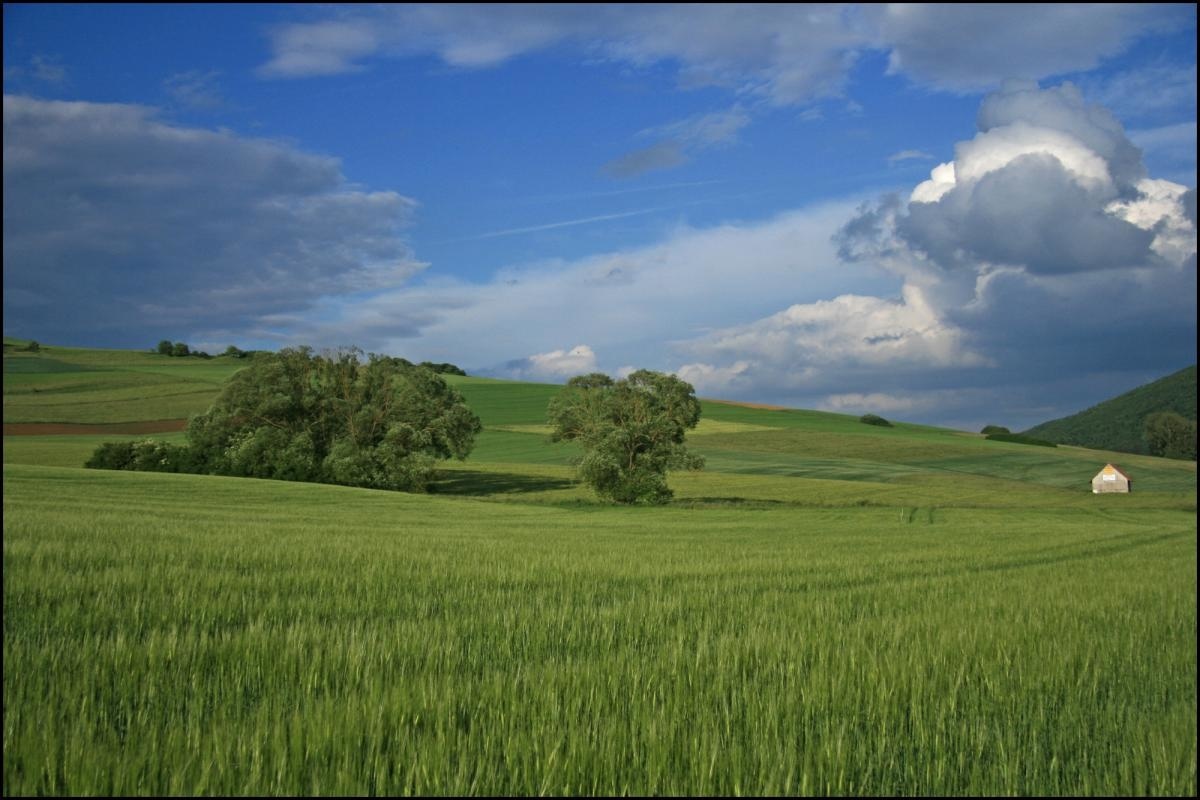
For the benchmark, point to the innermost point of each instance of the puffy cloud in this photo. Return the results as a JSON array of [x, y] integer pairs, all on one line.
[[1054, 112], [1033, 213], [1161, 208], [1051, 185], [810, 347], [115, 220], [555, 365], [709, 379], [1037, 268], [849, 331]]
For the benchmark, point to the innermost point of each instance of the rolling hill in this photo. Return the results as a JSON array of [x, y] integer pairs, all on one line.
[[1117, 424], [76, 398]]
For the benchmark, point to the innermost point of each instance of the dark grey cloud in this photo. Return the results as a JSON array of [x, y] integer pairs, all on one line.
[[119, 226], [1030, 213], [865, 235], [1189, 205]]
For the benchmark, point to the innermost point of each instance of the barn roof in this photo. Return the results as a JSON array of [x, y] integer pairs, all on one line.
[[1117, 470]]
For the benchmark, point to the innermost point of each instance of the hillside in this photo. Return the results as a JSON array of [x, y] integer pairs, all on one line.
[[1117, 424], [72, 399]]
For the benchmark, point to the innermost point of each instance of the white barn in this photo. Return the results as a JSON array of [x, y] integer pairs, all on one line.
[[1111, 479]]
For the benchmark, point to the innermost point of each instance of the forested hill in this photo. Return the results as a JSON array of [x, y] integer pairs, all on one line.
[[1118, 424]]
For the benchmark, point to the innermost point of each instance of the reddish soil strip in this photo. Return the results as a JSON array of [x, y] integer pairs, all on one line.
[[763, 406], [51, 428]]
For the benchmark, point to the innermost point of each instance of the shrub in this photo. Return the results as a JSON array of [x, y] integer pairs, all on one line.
[[111, 455], [148, 455], [874, 419]]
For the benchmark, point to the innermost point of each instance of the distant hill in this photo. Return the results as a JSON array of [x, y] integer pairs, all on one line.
[[1117, 424]]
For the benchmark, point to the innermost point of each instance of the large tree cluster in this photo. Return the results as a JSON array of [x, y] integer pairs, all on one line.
[[378, 422]]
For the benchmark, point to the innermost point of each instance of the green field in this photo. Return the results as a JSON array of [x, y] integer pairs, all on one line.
[[829, 608], [78, 385]]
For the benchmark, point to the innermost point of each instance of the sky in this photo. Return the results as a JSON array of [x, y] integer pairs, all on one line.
[[957, 215]]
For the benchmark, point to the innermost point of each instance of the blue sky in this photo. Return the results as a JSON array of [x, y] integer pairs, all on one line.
[[958, 215]]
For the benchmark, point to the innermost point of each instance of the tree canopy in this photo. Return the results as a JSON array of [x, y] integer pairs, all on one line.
[[632, 432]]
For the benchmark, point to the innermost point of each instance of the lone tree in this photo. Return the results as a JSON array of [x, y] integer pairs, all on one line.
[[297, 416], [632, 432]]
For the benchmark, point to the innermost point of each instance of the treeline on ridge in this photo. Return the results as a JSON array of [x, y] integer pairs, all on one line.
[[1130, 423]]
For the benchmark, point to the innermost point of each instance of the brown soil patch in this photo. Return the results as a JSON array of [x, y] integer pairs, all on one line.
[[762, 406], [55, 428]]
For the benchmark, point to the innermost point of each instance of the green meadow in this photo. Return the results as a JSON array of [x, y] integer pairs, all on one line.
[[827, 608]]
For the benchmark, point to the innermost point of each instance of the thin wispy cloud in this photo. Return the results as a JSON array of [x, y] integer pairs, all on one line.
[[910, 155], [195, 90], [679, 142], [567, 223], [658, 187]]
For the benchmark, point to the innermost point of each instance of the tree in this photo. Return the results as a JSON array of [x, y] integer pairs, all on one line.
[[165, 347], [632, 432], [443, 368], [297, 416], [179, 349], [1171, 435]]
